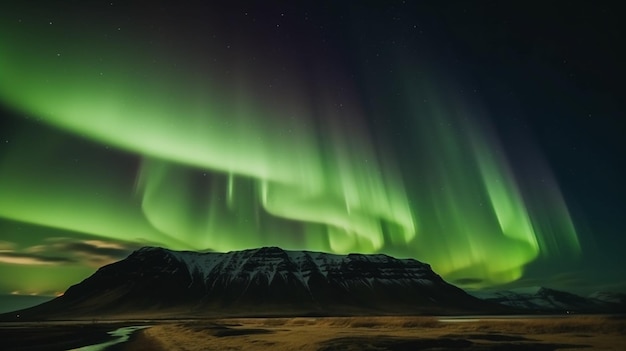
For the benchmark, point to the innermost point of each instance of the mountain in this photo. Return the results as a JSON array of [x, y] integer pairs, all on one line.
[[267, 281], [609, 297], [541, 299]]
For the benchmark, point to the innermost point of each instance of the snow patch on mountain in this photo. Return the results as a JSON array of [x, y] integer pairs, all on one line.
[[272, 262]]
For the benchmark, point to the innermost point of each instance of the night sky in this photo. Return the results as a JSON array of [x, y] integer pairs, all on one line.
[[486, 138]]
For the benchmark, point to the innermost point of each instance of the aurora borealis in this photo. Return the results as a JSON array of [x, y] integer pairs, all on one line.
[[329, 128]]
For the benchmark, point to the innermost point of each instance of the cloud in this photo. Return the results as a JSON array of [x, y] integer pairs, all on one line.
[[5, 245], [12, 257], [95, 253], [65, 251]]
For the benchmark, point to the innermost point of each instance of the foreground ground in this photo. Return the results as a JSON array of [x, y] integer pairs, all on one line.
[[340, 333]]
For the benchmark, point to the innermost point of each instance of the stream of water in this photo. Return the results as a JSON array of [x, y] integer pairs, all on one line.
[[119, 335]]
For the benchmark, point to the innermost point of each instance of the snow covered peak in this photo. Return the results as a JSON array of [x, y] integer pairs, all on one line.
[[274, 261], [148, 249]]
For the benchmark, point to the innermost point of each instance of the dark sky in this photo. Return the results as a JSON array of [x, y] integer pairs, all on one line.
[[484, 137]]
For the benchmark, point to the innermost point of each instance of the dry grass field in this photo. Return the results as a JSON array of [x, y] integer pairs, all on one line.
[[385, 333]]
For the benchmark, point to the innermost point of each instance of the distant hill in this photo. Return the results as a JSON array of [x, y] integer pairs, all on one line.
[[267, 281], [541, 299]]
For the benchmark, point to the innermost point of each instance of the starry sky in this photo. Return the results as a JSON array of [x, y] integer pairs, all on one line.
[[485, 138]]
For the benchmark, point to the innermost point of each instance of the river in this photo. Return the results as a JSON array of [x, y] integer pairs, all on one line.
[[119, 336]]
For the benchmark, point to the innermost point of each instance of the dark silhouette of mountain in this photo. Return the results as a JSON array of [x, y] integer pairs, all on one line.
[[541, 299], [267, 281]]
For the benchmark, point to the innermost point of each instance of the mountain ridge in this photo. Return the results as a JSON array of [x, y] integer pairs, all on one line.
[[539, 299], [265, 281]]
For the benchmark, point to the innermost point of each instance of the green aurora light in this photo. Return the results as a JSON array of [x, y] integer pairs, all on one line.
[[227, 163]]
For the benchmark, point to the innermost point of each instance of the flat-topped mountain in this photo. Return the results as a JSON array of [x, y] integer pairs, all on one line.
[[267, 281]]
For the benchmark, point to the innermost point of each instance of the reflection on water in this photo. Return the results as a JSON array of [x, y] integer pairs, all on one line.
[[120, 335]]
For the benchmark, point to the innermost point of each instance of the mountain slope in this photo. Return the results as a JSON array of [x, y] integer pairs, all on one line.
[[264, 281]]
